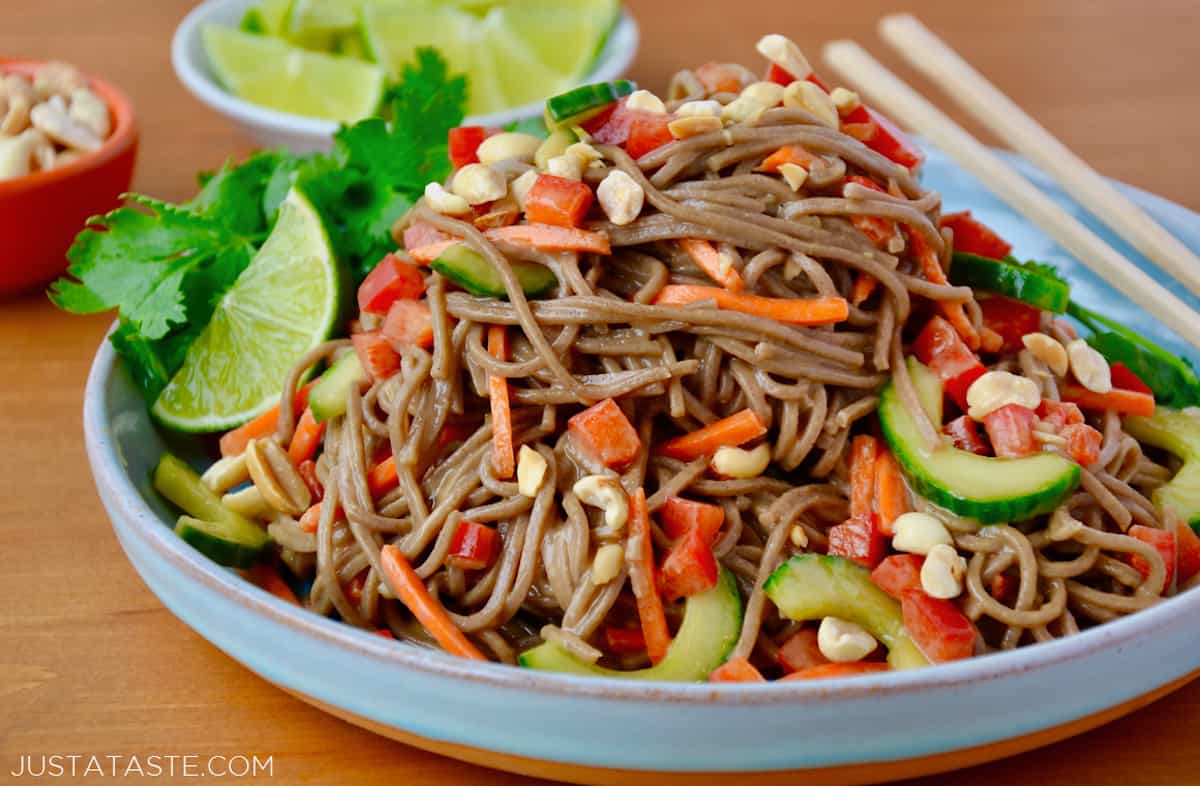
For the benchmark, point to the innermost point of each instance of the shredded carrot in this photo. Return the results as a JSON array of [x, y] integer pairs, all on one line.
[[891, 498], [864, 285], [233, 443], [797, 311], [788, 154], [267, 577], [931, 268], [503, 459], [830, 670], [306, 438], [432, 615], [544, 237], [715, 265], [736, 670], [383, 477], [1125, 402], [649, 603], [311, 518], [864, 451], [737, 429]]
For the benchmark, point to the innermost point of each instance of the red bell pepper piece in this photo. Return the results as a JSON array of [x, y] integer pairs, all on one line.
[[1003, 587], [689, 568], [859, 540], [604, 433], [736, 670], [720, 78], [1011, 319], [464, 142], [1163, 542], [801, 651], [1125, 379], [473, 546], [680, 516], [881, 135], [408, 323], [1187, 545], [648, 131], [941, 348], [973, 237], [938, 627], [964, 433], [1059, 413], [1083, 443], [308, 473], [391, 280], [559, 201], [781, 76], [375, 353], [624, 641], [1010, 430], [898, 574], [611, 127]]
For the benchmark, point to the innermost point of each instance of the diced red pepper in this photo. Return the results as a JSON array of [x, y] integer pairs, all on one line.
[[801, 651], [385, 633], [898, 574], [1003, 587], [421, 233], [680, 516], [354, 587], [942, 349], [611, 127], [973, 237], [454, 432], [464, 143], [689, 568], [1011, 319], [881, 135], [559, 201], [604, 433], [308, 473], [624, 641], [1010, 430], [965, 435], [376, 354], [779, 75], [1125, 379], [1083, 443], [1187, 544], [720, 77], [648, 131], [390, 280], [1163, 542], [736, 670], [938, 627], [408, 323], [1059, 413], [473, 546], [859, 540]]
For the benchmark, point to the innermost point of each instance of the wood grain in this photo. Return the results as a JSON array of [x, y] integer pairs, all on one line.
[[91, 663]]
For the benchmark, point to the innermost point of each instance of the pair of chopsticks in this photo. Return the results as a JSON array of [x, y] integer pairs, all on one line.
[[933, 57]]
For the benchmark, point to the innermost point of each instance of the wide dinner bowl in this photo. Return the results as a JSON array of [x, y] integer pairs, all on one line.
[[41, 213], [273, 128], [860, 730]]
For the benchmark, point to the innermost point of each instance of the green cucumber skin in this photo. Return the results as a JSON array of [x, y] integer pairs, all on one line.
[[711, 625], [1178, 432], [1060, 478], [570, 105], [181, 485], [815, 586], [477, 275], [209, 526], [220, 549], [327, 398], [1003, 278]]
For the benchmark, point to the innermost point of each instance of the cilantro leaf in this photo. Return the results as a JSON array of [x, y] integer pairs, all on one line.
[[234, 195]]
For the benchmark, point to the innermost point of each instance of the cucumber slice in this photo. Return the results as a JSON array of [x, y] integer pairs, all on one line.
[[554, 145], [991, 490], [224, 542], [479, 276], [712, 622], [327, 398], [1177, 431], [814, 586], [575, 106], [1011, 280]]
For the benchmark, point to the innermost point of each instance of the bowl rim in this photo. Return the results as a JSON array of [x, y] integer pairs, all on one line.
[[124, 133], [196, 78], [145, 524]]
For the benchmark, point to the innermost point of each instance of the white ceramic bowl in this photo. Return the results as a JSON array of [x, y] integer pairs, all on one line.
[[273, 128]]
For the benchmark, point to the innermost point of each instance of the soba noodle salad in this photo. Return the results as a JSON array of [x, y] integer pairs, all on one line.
[[706, 385]]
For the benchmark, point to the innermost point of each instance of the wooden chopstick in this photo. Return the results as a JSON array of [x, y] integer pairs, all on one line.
[[909, 108], [986, 103]]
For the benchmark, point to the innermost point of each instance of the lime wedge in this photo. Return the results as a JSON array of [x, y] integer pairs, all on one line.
[[272, 73], [565, 35], [266, 18], [331, 16], [393, 33], [522, 76], [287, 300]]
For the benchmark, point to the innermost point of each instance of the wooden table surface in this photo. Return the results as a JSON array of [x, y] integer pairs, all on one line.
[[91, 663]]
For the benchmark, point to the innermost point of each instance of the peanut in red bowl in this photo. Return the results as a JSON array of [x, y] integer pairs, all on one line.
[[41, 213]]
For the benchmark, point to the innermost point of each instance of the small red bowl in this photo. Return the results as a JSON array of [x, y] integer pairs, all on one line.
[[40, 214]]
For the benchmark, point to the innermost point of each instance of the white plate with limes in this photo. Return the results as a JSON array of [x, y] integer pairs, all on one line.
[[257, 61]]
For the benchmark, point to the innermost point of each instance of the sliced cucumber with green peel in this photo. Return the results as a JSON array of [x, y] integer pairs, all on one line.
[[223, 542], [328, 396], [991, 490], [815, 586], [1176, 431], [712, 622], [479, 276], [575, 106], [218, 532], [1010, 279], [553, 146]]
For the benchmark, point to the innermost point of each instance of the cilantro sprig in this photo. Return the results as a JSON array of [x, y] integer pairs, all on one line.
[[164, 267]]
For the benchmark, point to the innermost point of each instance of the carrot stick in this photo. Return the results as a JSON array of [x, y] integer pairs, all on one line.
[[891, 498], [544, 237], [233, 443], [864, 450], [797, 311], [931, 268], [267, 577], [736, 670], [383, 478], [311, 518], [1126, 402], [714, 264], [788, 154], [503, 458], [306, 438], [737, 429], [649, 603], [829, 670], [864, 285], [432, 615]]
